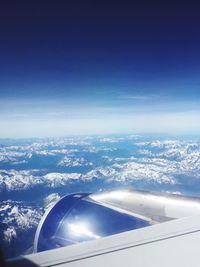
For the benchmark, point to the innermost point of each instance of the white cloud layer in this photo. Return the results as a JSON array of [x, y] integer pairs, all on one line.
[[131, 114]]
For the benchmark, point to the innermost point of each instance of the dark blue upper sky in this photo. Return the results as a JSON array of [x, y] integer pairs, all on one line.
[[99, 66]]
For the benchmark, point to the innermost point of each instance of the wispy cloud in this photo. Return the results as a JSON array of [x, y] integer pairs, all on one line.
[[136, 97], [142, 97]]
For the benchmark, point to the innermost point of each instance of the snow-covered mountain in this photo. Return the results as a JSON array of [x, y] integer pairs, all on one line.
[[36, 173]]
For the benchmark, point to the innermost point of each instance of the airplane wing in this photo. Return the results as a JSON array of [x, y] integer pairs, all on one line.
[[117, 228]]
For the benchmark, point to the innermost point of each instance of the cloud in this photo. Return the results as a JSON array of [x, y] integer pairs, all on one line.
[[143, 122], [142, 97], [136, 97], [121, 113]]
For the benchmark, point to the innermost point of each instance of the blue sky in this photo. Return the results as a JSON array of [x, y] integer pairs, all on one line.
[[80, 68]]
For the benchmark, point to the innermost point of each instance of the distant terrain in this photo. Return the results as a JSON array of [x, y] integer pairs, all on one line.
[[34, 173]]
